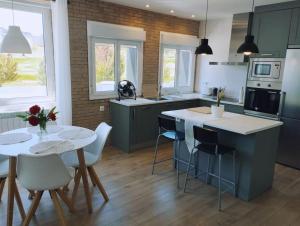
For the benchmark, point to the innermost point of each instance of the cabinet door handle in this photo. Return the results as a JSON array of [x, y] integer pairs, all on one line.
[[281, 104], [267, 54], [272, 92], [133, 114]]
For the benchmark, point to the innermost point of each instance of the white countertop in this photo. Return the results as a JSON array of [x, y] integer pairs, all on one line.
[[232, 122], [170, 98]]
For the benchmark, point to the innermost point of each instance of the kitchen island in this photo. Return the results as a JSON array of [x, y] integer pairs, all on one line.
[[255, 140]]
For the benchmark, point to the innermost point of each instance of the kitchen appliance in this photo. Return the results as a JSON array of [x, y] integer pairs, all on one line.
[[264, 83], [126, 90], [240, 23], [266, 69], [215, 91], [289, 142], [262, 102]]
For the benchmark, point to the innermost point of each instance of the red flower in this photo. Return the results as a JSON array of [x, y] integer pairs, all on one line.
[[35, 109], [33, 120], [52, 116]]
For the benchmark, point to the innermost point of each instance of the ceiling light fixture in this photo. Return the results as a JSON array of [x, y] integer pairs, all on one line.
[[14, 41], [147, 6], [249, 47], [193, 16], [204, 48], [172, 11]]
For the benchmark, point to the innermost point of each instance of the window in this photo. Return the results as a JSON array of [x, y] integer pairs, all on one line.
[[177, 69], [113, 61], [27, 78]]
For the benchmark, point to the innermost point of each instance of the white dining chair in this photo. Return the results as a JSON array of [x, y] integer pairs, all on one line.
[[92, 154], [4, 162], [42, 173]]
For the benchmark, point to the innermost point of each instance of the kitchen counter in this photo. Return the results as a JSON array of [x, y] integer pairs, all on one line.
[[173, 98], [237, 123], [254, 139]]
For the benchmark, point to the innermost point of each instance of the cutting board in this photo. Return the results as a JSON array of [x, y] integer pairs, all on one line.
[[202, 110]]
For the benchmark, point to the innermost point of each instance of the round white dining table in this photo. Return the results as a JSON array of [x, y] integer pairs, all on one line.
[[13, 150]]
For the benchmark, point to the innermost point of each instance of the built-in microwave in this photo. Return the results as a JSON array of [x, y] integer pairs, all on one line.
[[266, 69]]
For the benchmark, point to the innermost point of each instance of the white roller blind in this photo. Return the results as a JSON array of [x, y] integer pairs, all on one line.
[[113, 31], [178, 39]]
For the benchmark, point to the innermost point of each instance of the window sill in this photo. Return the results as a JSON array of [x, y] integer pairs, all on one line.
[[11, 110]]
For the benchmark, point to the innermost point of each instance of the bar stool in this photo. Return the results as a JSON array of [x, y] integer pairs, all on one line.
[[208, 143], [167, 129]]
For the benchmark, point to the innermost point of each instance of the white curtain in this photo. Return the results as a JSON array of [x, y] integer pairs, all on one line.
[[62, 61]]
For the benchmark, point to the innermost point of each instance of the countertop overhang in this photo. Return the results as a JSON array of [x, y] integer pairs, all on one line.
[[232, 122]]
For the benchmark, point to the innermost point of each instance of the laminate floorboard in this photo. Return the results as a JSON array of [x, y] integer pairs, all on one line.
[[139, 199]]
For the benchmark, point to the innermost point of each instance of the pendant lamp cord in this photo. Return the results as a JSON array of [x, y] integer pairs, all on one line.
[[206, 18], [253, 6], [13, 13]]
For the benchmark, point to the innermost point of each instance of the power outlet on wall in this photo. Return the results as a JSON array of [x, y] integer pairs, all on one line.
[[102, 108]]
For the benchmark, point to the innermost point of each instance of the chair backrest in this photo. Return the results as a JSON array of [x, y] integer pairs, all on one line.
[[205, 136], [166, 123], [97, 146], [42, 172]]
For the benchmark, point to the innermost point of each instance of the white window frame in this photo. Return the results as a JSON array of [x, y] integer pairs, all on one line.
[[93, 94], [12, 103], [176, 88]]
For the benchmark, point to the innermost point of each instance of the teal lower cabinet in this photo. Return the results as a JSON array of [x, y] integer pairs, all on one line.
[[136, 127]]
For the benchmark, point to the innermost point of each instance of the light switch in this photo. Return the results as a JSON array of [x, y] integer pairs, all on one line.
[[102, 108]]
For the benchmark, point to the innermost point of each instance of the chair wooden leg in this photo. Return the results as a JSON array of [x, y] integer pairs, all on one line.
[[98, 183], [33, 207], [65, 199], [11, 189], [2, 183], [77, 181], [66, 188], [92, 178], [19, 203], [82, 169], [58, 208]]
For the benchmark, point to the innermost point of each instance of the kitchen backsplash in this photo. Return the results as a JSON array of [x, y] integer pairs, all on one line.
[[232, 78]]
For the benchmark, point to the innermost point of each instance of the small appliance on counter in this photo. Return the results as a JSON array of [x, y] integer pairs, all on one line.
[[126, 90], [264, 83]]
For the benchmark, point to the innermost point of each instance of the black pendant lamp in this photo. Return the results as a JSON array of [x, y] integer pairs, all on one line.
[[204, 48], [249, 47]]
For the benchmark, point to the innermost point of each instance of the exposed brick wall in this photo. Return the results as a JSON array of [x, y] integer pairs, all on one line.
[[85, 112]]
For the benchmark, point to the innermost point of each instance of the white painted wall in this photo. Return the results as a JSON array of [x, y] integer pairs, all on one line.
[[233, 78]]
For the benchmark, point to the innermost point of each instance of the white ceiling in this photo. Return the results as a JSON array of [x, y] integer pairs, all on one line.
[[187, 8]]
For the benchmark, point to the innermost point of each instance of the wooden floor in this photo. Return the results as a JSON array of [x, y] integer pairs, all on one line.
[[138, 198]]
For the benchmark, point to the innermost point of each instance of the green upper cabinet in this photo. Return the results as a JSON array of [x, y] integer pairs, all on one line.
[[271, 31], [294, 38]]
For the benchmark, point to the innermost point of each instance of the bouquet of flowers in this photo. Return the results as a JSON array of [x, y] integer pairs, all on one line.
[[37, 116]]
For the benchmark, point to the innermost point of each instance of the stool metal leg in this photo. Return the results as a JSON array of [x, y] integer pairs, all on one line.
[[208, 169], [219, 199], [234, 173], [188, 171], [177, 149], [155, 155]]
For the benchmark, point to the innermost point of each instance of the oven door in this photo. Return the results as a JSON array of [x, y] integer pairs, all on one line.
[[262, 101]]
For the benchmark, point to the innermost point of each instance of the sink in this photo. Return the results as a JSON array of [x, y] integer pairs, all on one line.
[[156, 98]]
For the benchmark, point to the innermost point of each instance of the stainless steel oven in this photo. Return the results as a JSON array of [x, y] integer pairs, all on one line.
[[262, 102], [266, 69]]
